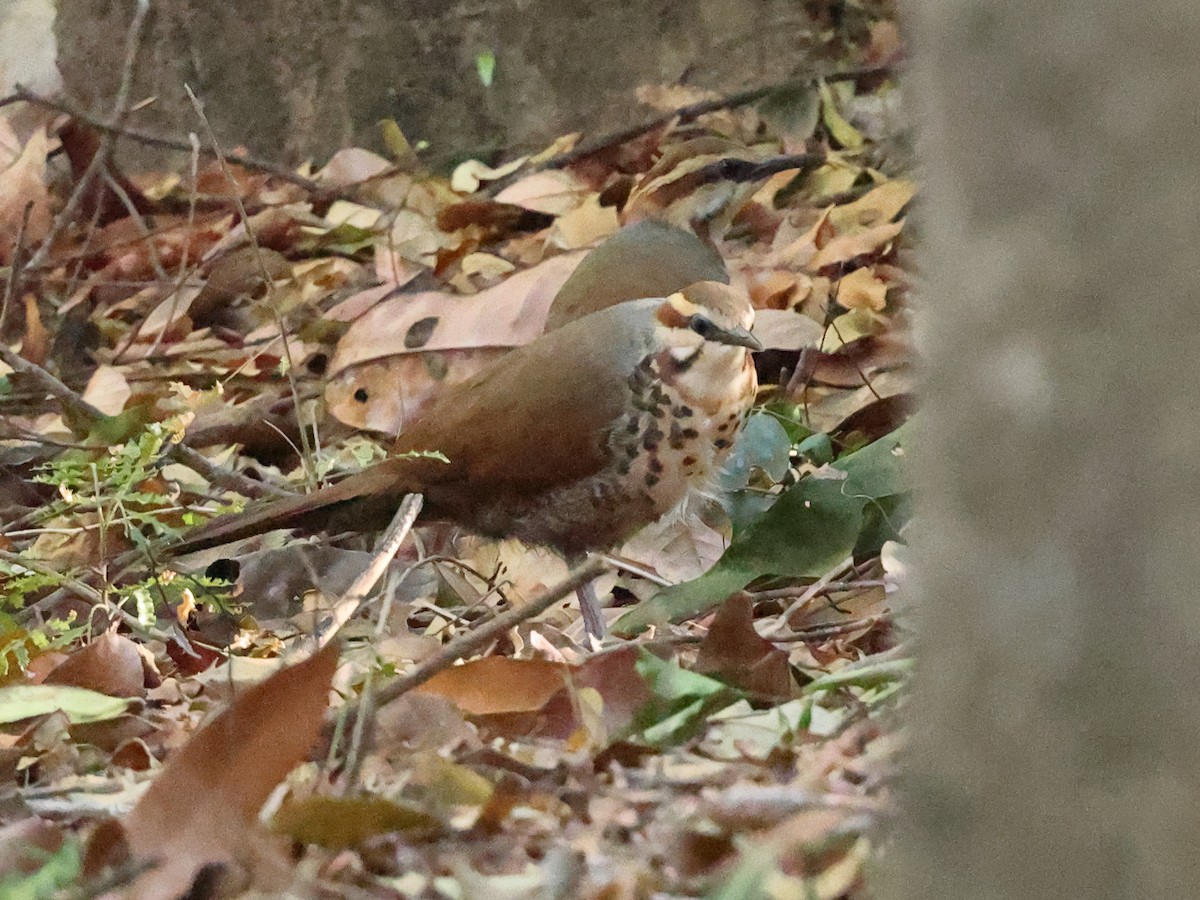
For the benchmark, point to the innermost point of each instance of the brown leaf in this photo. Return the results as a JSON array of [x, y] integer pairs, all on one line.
[[386, 394], [405, 350], [771, 289], [498, 684], [202, 808], [495, 218], [234, 276], [105, 847], [507, 315], [874, 420], [615, 677], [21, 184], [36, 342], [623, 692], [737, 654], [847, 366], [81, 142], [340, 822]]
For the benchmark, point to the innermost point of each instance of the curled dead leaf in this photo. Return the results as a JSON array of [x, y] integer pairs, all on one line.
[[738, 655], [862, 289], [110, 664], [202, 808], [23, 184]]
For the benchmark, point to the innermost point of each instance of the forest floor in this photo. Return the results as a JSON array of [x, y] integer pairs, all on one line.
[[177, 346]]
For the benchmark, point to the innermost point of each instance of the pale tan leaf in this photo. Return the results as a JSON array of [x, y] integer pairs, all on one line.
[[861, 289], [24, 183], [470, 174], [585, 225], [845, 247], [554, 192], [107, 390], [879, 205]]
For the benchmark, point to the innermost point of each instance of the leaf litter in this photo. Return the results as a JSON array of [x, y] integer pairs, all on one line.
[[166, 727]]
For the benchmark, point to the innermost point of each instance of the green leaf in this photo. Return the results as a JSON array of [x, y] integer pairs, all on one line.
[[485, 65], [681, 703], [871, 674], [839, 129], [816, 447], [109, 430], [80, 705], [763, 445], [60, 870], [397, 143], [347, 239], [811, 527], [877, 470], [340, 822]]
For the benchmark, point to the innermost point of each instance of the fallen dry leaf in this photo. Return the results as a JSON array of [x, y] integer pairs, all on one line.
[[738, 655], [862, 289], [406, 349], [554, 192], [36, 343], [202, 807], [110, 664], [24, 184], [876, 207], [497, 684], [845, 247]]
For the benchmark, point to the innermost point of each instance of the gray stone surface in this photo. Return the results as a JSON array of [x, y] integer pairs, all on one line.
[[292, 79]]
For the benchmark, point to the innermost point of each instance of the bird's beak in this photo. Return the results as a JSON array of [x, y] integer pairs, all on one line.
[[737, 337]]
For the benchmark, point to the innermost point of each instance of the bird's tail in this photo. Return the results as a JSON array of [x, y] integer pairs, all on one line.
[[361, 502]]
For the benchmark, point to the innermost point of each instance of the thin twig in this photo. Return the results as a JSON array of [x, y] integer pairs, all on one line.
[[683, 115], [22, 94], [306, 459], [139, 220], [70, 401], [364, 722], [230, 479], [473, 640], [834, 629], [354, 595], [14, 267], [813, 591], [833, 587], [99, 162], [184, 259], [76, 406]]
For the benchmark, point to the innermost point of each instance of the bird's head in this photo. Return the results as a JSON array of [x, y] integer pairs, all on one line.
[[707, 315]]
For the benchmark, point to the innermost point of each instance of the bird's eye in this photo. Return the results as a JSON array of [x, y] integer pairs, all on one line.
[[702, 326]]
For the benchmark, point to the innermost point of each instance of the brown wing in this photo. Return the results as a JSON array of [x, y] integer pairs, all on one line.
[[534, 419], [539, 416]]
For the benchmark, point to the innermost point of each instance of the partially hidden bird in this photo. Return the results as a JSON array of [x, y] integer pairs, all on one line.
[[646, 259], [574, 441]]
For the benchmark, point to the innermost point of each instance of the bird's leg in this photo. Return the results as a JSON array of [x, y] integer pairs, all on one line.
[[589, 603]]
